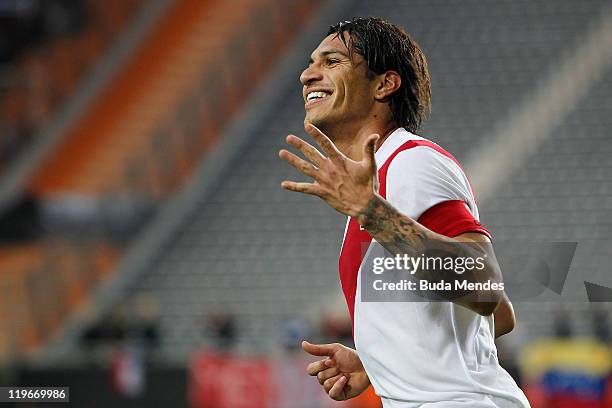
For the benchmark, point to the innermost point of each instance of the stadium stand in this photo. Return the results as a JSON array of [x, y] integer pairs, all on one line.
[[485, 58], [118, 152], [564, 193], [41, 66], [41, 283], [134, 125]]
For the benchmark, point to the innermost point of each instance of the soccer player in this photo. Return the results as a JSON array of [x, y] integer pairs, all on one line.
[[367, 91]]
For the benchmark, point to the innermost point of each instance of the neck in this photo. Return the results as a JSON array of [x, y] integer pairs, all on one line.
[[352, 146]]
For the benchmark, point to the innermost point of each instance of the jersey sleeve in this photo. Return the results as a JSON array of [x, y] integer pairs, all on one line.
[[451, 218], [431, 188]]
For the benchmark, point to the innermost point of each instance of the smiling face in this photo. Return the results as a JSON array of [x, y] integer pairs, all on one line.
[[338, 91]]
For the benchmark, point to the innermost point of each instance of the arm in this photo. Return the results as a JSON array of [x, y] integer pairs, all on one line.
[[504, 317], [350, 187], [400, 234]]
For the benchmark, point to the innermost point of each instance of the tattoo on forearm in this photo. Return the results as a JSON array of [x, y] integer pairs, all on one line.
[[402, 234]]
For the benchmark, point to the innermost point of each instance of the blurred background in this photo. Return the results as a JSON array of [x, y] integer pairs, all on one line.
[[149, 258]]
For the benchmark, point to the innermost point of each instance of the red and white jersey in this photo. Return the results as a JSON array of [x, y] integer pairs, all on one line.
[[424, 354]]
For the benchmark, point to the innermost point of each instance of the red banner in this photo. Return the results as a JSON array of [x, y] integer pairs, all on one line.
[[224, 381], [228, 381]]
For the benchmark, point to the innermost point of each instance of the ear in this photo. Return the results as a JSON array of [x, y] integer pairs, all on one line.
[[388, 83]]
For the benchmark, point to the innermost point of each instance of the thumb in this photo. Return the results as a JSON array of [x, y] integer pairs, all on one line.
[[369, 150], [319, 349]]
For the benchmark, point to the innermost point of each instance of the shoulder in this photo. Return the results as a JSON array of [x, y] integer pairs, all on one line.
[[421, 160], [404, 148], [420, 174]]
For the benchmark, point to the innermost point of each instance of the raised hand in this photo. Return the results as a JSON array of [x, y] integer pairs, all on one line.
[[341, 374], [345, 184]]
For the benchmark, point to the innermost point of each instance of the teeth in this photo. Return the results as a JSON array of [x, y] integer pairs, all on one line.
[[316, 95]]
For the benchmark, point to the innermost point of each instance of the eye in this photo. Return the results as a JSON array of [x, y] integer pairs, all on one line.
[[332, 61]]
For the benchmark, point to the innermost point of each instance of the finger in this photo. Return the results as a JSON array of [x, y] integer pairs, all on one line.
[[319, 349], [300, 164], [337, 391], [324, 375], [316, 367], [305, 188], [329, 383], [369, 151], [307, 149], [330, 362], [322, 140]]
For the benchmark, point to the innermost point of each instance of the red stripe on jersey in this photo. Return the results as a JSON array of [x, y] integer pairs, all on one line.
[[357, 241], [451, 218]]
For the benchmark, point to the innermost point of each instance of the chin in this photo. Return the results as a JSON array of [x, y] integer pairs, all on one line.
[[318, 122]]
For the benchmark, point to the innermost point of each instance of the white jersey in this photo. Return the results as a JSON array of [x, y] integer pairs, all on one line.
[[424, 354]]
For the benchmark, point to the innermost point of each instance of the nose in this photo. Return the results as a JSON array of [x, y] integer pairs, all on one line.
[[310, 75]]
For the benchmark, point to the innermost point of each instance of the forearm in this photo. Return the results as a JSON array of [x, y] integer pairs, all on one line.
[[400, 234]]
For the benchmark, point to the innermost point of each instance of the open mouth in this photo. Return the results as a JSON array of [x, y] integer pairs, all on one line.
[[316, 96]]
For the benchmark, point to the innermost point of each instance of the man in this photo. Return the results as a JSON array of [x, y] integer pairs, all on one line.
[[366, 91]]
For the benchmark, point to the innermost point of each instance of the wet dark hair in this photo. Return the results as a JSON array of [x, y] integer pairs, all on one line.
[[387, 47]]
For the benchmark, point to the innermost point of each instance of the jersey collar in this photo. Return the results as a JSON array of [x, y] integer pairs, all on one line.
[[397, 138]]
